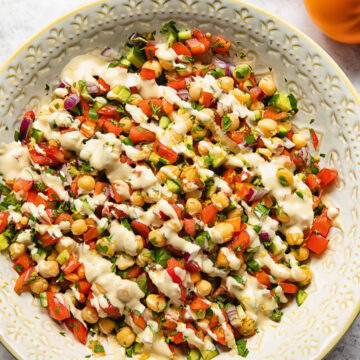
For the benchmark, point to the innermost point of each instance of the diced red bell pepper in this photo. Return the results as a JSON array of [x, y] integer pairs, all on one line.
[[78, 329], [164, 151], [220, 334], [4, 216], [150, 50], [90, 234], [178, 338], [177, 84], [315, 139], [108, 110], [140, 228], [312, 181], [147, 74], [35, 198], [326, 176], [190, 226], [64, 216], [172, 263], [229, 176], [56, 309], [84, 286], [139, 134], [205, 98], [70, 265], [181, 49], [22, 185], [192, 266], [240, 242], [208, 214], [47, 240], [104, 86], [166, 107], [272, 113], [236, 223], [317, 243]]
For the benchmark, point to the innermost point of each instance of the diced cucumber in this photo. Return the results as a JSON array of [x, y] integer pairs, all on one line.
[[194, 354], [124, 62], [63, 257], [189, 142], [257, 114], [203, 238], [242, 70], [99, 102], [229, 208], [127, 141], [4, 242], [136, 57], [278, 246], [43, 300], [248, 84], [282, 131], [184, 34], [158, 160], [138, 348], [120, 93], [38, 135], [84, 91], [301, 297], [173, 185], [164, 122], [218, 160], [209, 354], [171, 39], [285, 102]]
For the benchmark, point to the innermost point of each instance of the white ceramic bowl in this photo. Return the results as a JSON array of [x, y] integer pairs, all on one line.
[[302, 67]]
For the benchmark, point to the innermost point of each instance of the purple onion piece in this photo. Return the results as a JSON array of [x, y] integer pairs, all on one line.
[[224, 65], [71, 101], [25, 127], [288, 143], [256, 194], [233, 316], [213, 102], [92, 89], [107, 192], [61, 86], [305, 154], [261, 95], [186, 257], [133, 39], [223, 108], [183, 94], [110, 53], [264, 236]]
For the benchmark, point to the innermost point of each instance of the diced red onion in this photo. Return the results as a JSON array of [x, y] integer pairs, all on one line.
[[261, 93], [223, 108], [265, 236], [110, 53], [186, 257], [233, 316], [223, 65], [256, 194], [183, 94], [213, 102], [71, 101], [133, 40], [108, 192], [305, 154], [68, 178], [25, 127], [92, 88], [61, 86], [288, 143]]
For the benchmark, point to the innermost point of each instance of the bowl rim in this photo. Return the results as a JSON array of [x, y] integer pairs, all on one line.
[[9, 347]]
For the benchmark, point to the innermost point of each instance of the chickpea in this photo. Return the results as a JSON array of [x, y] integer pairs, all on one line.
[[204, 287], [207, 112], [268, 127], [195, 277], [242, 72], [266, 153], [242, 97], [195, 91], [156, 302], [221, 259], [171, 75], [277, 145], [135, 99], [226, 231], [78, 227], [235, 123], [150, 197], [137, 199], [105, 247], [247, 326], [39, 285], [144, 258], [189, 173], [126, 124], [198, 132], [125, 337], [124, 261], [235, 213], [106, 325], [299, 140], [86, 182], [186, 70], [168, 171], [257, 105], [140, 242], [204, 147], [53, 255], [196, 194], [90, 315], [300, 254], [193, 206], [153, 65], [282, 215], [294, 238], [57, 105], [167, 65], [157, 238], [16, 250], [267, 85], [226, 83], [220, 200], [285, 177], [308, 275], [48, 268]]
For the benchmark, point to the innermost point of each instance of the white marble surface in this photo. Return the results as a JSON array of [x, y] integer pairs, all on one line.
[[21, 19]]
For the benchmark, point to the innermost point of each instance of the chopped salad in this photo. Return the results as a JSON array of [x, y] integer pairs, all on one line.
[[164, 197]]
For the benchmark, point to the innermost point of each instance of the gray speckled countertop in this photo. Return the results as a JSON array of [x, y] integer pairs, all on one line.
[[21, 19]]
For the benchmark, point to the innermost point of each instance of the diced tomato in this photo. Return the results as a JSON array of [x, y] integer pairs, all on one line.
[[326, 176], [112, 310], [177, 84], [74, 187], [181, 49], [35, 198], [53, 155], [90, 234], [220, 334], [235, 222], [317, 243], [99, 187], [241, 242], [214, 321], [166, 107], [4, 216], [83, 286], [23, 281], [87, 128], [263, 278], [150, 50], [145, 107], [289, 288], [85, 108], [208, 214], [199, 304], [243, 189], [272, 113], [64, 217], [70, 265], [164, 151], [205, 98], [178, 338], [312, 181], [104, 86], [172, 263], [147, 74], [22, 185], [23, 263], [169, 324], [47, 240], [81, 271], [236, 136], [140, 228], [315, 139], [56, 309], [322, 224], [221, 290], [190, 226], [51, 194], [205, 39], [229, 176], [196, 47], [243, 176], [138, 319], [109, 110], [221, 45], [139, 134], [78, 329], [192, 266]]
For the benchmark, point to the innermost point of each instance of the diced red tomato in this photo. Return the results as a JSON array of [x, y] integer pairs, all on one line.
[[236, 223], [241, 242], [139, 134], [64, 216], [85, 108], [322, 224], [169, 324], [272, 113], [208, 214], [47, 240], [166, 107], [263, 278], [84, 286], [317, 243], [147, 74], [205, 39], [53, 155], [23, 263], [144, 105], [150, 50], [99, 187], [90, 234], [164, 151], [196, 47], [172, 263], [78, 329], [199, 304], [192, 266], [74, 187], [236, 136], [138, 319], [190, 226], [205, 98], [51, 194], [22, 185], [56, 309], [181, 49], [23, 281], [177, 84], [104, 86], [312, 181], [4, 216], [243, 189], [326, 176], [221, 45], [220, 334], [289, 288], [315, 139], [108, 110], [178, 338], [70, 265], [140, 228], [87, 128], [35, 198]]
